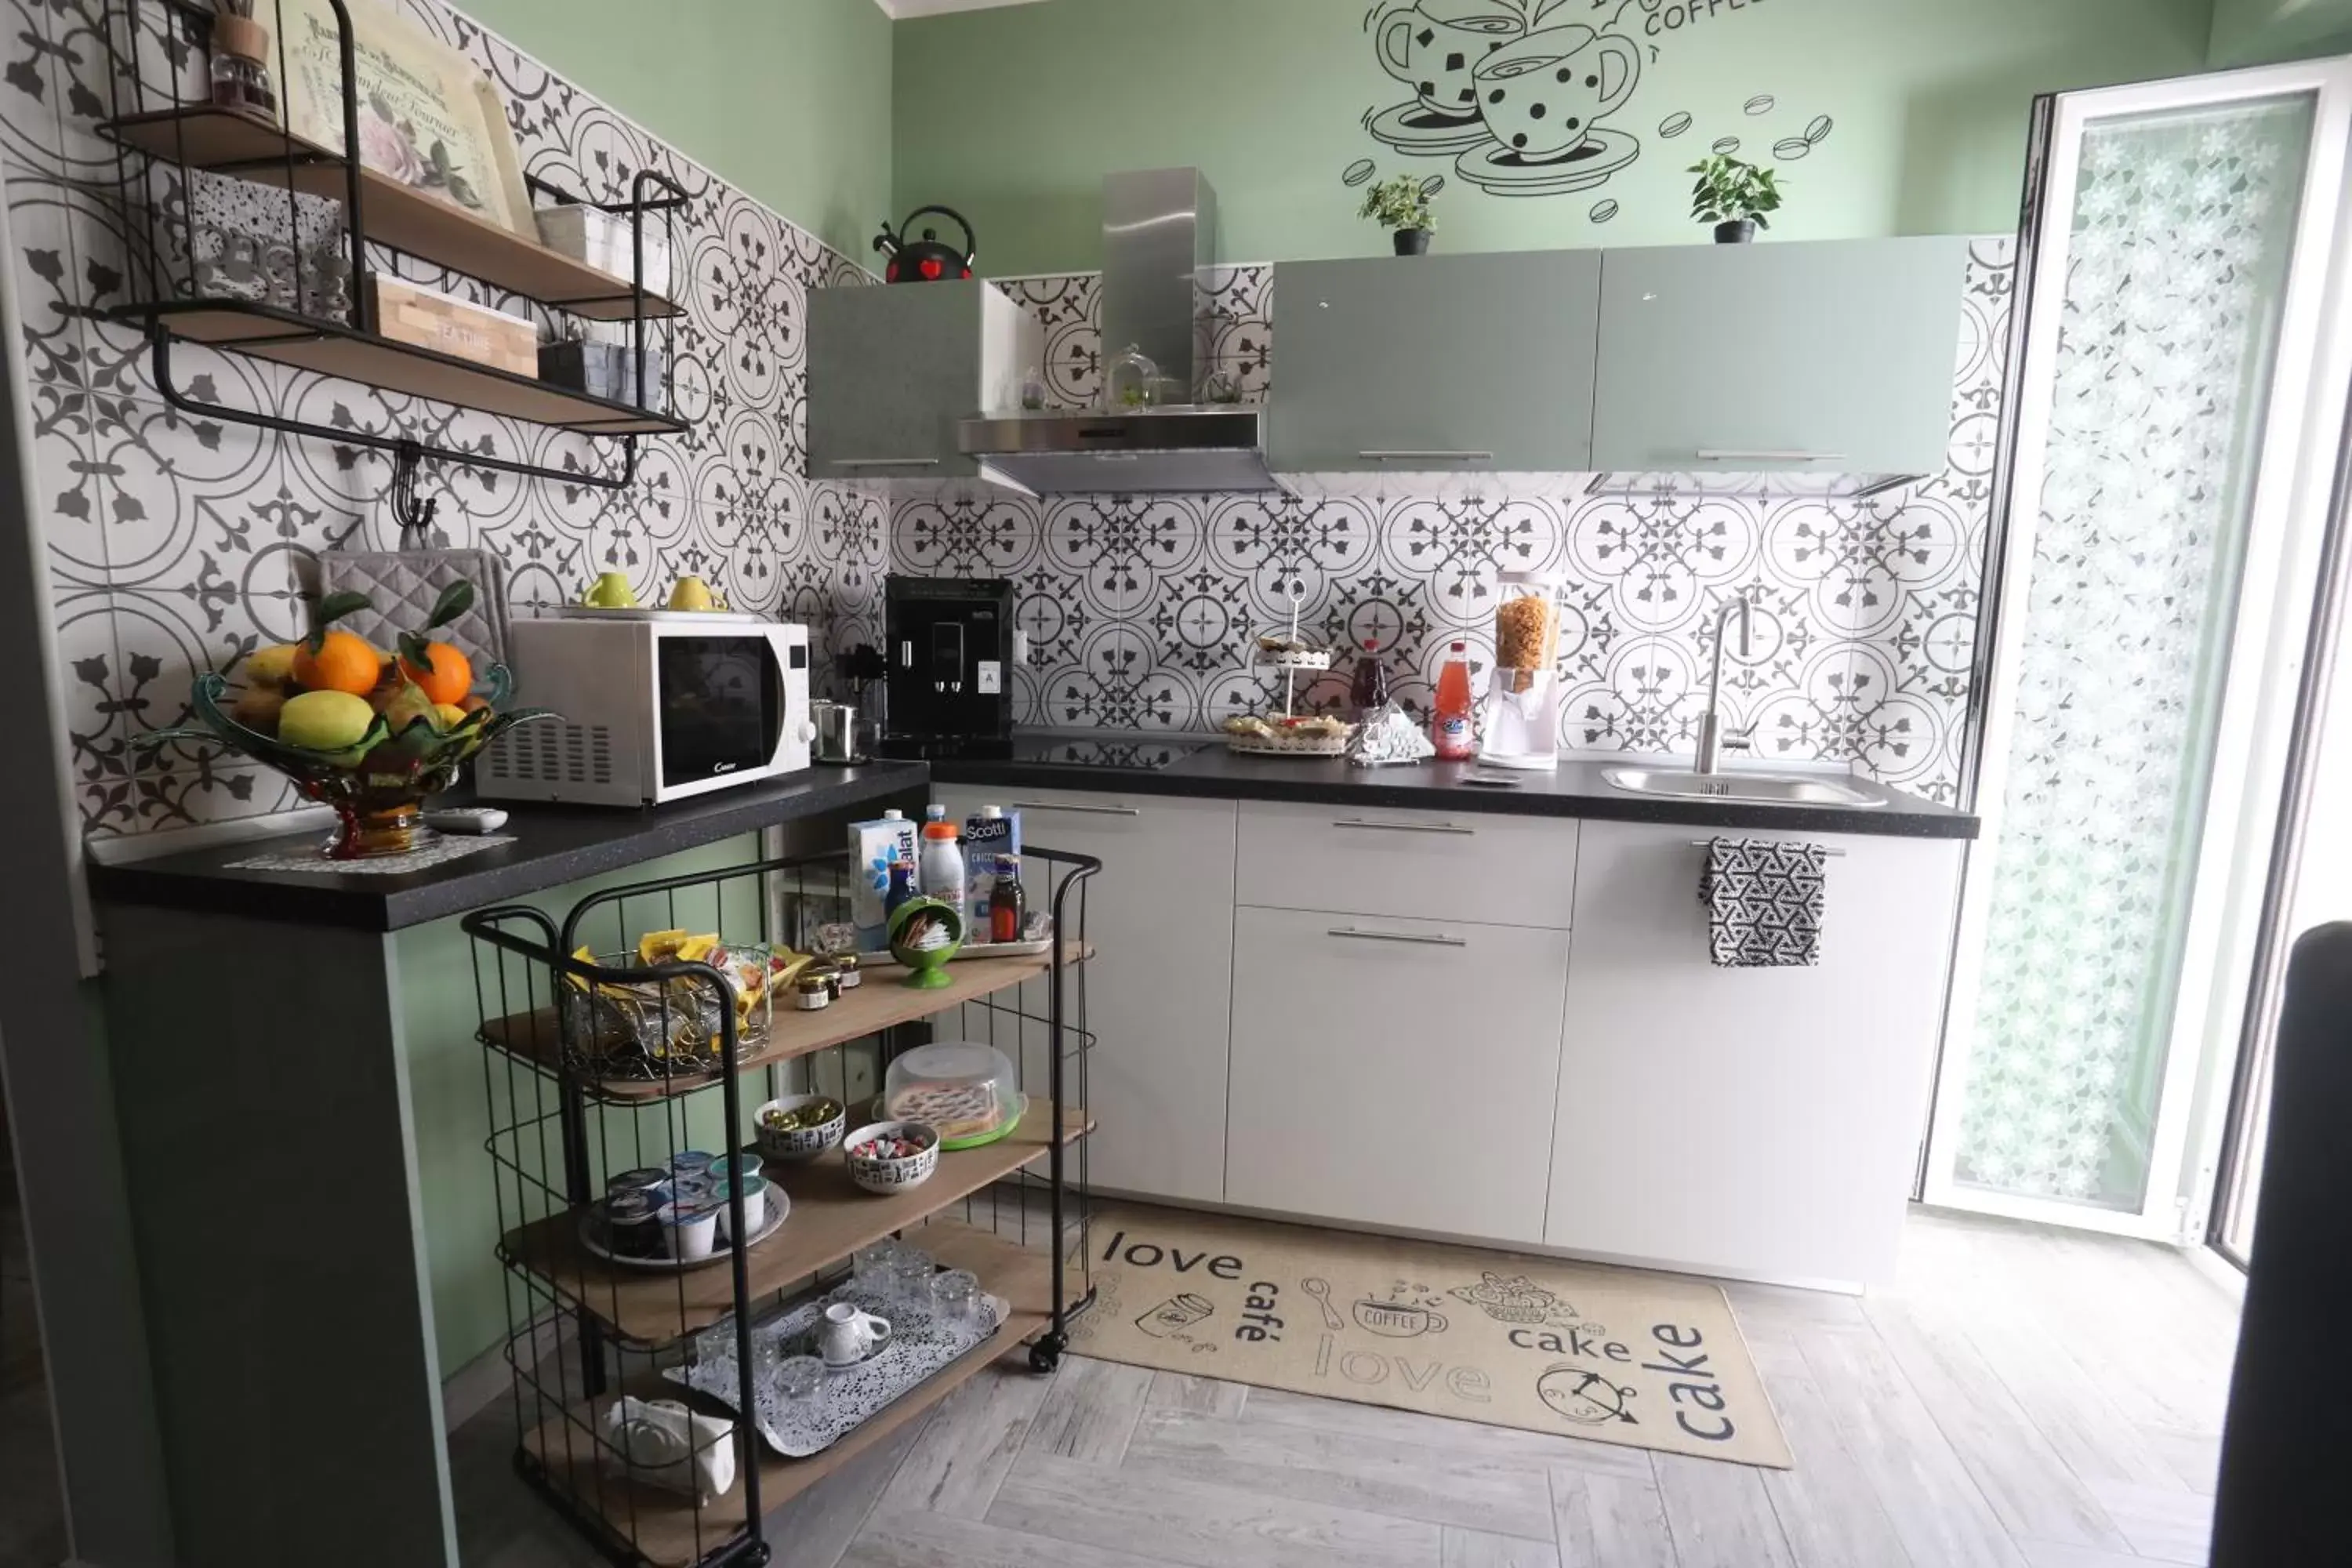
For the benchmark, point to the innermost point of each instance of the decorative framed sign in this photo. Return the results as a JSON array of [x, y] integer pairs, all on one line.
[[428, 117]]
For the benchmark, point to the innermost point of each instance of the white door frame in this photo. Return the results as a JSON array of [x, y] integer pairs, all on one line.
[[2301, 431]]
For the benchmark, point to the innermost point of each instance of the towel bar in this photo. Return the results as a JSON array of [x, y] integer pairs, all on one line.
[[1703, 842]]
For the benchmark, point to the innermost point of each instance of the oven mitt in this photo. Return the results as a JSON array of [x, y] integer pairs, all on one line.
[[404, 585]]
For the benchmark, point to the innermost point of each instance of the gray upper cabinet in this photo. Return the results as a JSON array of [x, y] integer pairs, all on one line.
[[892, 369], [1828, 357], [1435, 362]]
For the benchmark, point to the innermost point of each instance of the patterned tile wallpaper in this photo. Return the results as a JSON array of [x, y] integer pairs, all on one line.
[[179, 544], [1140, 608]]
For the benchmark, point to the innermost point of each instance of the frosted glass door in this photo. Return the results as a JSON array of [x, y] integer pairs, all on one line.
[[2177, 292]]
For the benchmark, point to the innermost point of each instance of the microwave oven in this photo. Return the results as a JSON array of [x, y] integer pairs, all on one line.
[[654, 705]]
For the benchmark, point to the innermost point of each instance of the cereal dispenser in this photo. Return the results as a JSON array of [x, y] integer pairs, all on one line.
[[1522, 717]]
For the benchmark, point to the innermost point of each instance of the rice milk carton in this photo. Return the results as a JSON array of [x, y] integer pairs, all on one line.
[[991, 848]]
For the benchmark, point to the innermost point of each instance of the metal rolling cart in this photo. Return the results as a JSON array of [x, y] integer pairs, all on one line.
[[588, 1327]]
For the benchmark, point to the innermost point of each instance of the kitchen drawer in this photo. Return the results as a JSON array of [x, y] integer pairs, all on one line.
[[1395, 1072], [1458, 865]]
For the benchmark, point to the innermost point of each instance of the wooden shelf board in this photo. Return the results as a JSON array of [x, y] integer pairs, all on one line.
[[251, 148], [879, 1003], [831, 1218], [670, 1531], [279, 335]]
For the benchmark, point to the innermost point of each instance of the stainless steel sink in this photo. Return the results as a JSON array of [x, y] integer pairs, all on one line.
[[1764, 789]]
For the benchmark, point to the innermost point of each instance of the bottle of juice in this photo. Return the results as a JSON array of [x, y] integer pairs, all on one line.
[[1449, 719]]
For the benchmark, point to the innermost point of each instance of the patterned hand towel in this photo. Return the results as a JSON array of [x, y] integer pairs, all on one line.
[[1763, 901]]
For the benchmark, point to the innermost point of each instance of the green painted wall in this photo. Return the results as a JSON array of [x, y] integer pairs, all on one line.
[[788, 99], [1013, 115], [2248, 32]]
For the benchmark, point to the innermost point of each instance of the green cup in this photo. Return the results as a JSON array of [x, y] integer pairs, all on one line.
[[924, 934]]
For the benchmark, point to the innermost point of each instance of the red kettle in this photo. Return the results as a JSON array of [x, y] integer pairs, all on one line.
[[924, 261]]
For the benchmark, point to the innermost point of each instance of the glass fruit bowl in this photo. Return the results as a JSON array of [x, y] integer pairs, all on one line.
[[379, 782]]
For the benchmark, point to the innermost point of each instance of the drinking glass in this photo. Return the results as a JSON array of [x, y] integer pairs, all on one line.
[[912, 1273], [874, 1270], [955, 1297], [797, 1377]]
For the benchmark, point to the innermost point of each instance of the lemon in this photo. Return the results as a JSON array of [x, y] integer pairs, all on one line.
[[270, 666]]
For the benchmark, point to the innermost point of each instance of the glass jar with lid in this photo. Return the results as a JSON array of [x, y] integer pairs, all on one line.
[[1130, 381]]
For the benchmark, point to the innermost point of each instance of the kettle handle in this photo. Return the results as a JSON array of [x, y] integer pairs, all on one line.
[[971, 242]]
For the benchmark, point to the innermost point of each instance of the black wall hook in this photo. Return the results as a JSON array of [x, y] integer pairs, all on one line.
[[414, 515]]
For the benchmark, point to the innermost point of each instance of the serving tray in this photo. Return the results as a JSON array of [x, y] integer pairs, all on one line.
[[918, 1346]]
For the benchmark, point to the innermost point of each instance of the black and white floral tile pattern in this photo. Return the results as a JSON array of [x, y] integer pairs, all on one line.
[[1140, 609], [179, 544]]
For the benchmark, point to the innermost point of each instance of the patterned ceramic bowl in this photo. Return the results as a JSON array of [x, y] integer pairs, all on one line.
[[892, 1175], [378, 784], [800, 1143]]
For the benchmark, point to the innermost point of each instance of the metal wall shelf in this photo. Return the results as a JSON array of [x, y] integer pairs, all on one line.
[[230, 142]]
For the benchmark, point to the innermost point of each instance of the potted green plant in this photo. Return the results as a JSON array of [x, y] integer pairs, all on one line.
[[1734, 195], [1402, 205]]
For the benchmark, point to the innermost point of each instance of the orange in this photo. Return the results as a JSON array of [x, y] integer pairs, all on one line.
[[450, 677], [344, 662]]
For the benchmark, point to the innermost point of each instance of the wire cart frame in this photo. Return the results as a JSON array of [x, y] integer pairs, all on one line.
[[565, 1115]]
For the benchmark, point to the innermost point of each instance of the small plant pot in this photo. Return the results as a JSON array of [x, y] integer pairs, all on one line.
[[1411, 241], [1739, 231]]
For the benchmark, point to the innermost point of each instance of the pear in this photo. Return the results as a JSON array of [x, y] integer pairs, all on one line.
[[410, 705], [258, 708]]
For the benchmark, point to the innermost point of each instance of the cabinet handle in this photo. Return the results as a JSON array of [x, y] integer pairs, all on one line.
[[1352, 934], [1406, 456], [1734, 454], [1405, 826], [1086, 810], [886, 462]]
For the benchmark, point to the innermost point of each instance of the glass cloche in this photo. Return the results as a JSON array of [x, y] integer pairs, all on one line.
[[965, 1089]]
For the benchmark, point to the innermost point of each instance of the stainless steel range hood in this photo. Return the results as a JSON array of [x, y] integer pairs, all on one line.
[[1160, 229]]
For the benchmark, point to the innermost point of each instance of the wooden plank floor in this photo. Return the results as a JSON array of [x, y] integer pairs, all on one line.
[[2025, 1398]]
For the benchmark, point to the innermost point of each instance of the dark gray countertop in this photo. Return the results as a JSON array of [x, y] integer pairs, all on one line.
[[1576, 789], [552, 844]]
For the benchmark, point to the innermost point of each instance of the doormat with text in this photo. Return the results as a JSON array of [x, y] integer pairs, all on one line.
[[1620, 1356]]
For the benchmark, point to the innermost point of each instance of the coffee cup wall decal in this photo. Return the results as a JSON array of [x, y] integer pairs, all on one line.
[[1528, 103]]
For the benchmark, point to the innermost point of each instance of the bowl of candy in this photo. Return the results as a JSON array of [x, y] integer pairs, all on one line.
[[799, 1126], [372, 734], [888, 1157]]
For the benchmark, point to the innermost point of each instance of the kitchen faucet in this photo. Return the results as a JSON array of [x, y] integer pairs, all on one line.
[[1713, 738]]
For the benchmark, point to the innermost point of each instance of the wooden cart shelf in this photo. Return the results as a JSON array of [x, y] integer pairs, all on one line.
[[879, 1003], [230, 142], [307, 342], [831, 1218], [668, 1529]]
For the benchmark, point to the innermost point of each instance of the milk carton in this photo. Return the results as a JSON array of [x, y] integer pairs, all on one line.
[[874, 848], [991, 848]]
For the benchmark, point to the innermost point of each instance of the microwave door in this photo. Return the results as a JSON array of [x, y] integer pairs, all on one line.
[[721, 708]]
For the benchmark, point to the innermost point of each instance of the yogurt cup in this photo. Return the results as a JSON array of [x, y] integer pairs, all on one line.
[[755, 1207], [690, 1231], [690, 1162], [631, 1227]]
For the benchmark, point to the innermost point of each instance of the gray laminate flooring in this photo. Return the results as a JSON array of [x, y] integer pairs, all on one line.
[[2025, 1398]]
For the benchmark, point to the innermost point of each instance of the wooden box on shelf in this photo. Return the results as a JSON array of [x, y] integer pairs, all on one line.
[[406, 313]]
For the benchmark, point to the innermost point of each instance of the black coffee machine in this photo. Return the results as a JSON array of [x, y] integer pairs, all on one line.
[[948, 687]]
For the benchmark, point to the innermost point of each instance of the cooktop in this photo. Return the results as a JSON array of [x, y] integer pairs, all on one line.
[[1140, 755]]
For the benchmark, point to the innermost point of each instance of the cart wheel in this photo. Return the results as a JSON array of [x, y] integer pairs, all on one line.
[[1047, 1353]]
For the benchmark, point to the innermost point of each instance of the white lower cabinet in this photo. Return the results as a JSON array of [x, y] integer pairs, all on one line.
[[1753, 1121], [1161, 917], [1394, 1072]]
